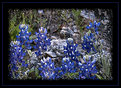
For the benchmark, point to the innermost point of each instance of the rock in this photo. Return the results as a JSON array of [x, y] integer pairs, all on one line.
[[57, 46], [76, 38], [66, 32], [71, 23], [52, 28], [75, 29], [69, 30], [84, 14], [50, 54], [53, 37], [33, 58], [39, 63], [33, 61], [59, 54], [44, 60], [70, 40], [104, 22], [88, 14], [53, 59], [79, 48]]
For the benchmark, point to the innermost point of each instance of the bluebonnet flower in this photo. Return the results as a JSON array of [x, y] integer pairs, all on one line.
[[40, 11], [23, 26], [58, 72], [42, 41], [94, 25], [23, 36], [48, 70], [24, 64], [17, 52], [16, 57], [90, 26], [68, 66], [88, 41], [88, 69], [71, 51]]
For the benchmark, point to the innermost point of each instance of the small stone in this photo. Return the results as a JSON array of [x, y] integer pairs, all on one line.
[[33, 61], [53, 59], [105, 22], [53, 37], [66, 32], [33, 58], [82, 61], [51, 54], [75, 29], [88, 14], [39, 63], [58, 44], [64, 28], [59, 54], [76, 38], [70, 39]]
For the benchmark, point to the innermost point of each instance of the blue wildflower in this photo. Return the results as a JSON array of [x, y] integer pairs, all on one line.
[[87, 70], [17, 52], [94, 25], [24, 64], [88, 43], [68, 66], [90, 26], [23, 36], [49, 71], [71, 51], [42, 41]]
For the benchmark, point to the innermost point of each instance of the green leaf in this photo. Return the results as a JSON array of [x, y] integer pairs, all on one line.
[[39, 77], [14, 32], [89, 32], [72, 75], [36, 72], [77, 16], [31, 70], [23, 18], [23, 46], [98, 76]]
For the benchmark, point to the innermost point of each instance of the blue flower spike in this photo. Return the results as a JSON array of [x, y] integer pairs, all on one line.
[[88, 42], [42, 41], [94, 25], [88, 69]]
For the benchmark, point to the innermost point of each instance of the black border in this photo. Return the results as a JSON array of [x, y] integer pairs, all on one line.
[[7, 6]]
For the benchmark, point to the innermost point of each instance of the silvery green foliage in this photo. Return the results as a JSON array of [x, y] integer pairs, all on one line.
[[105, 63]]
